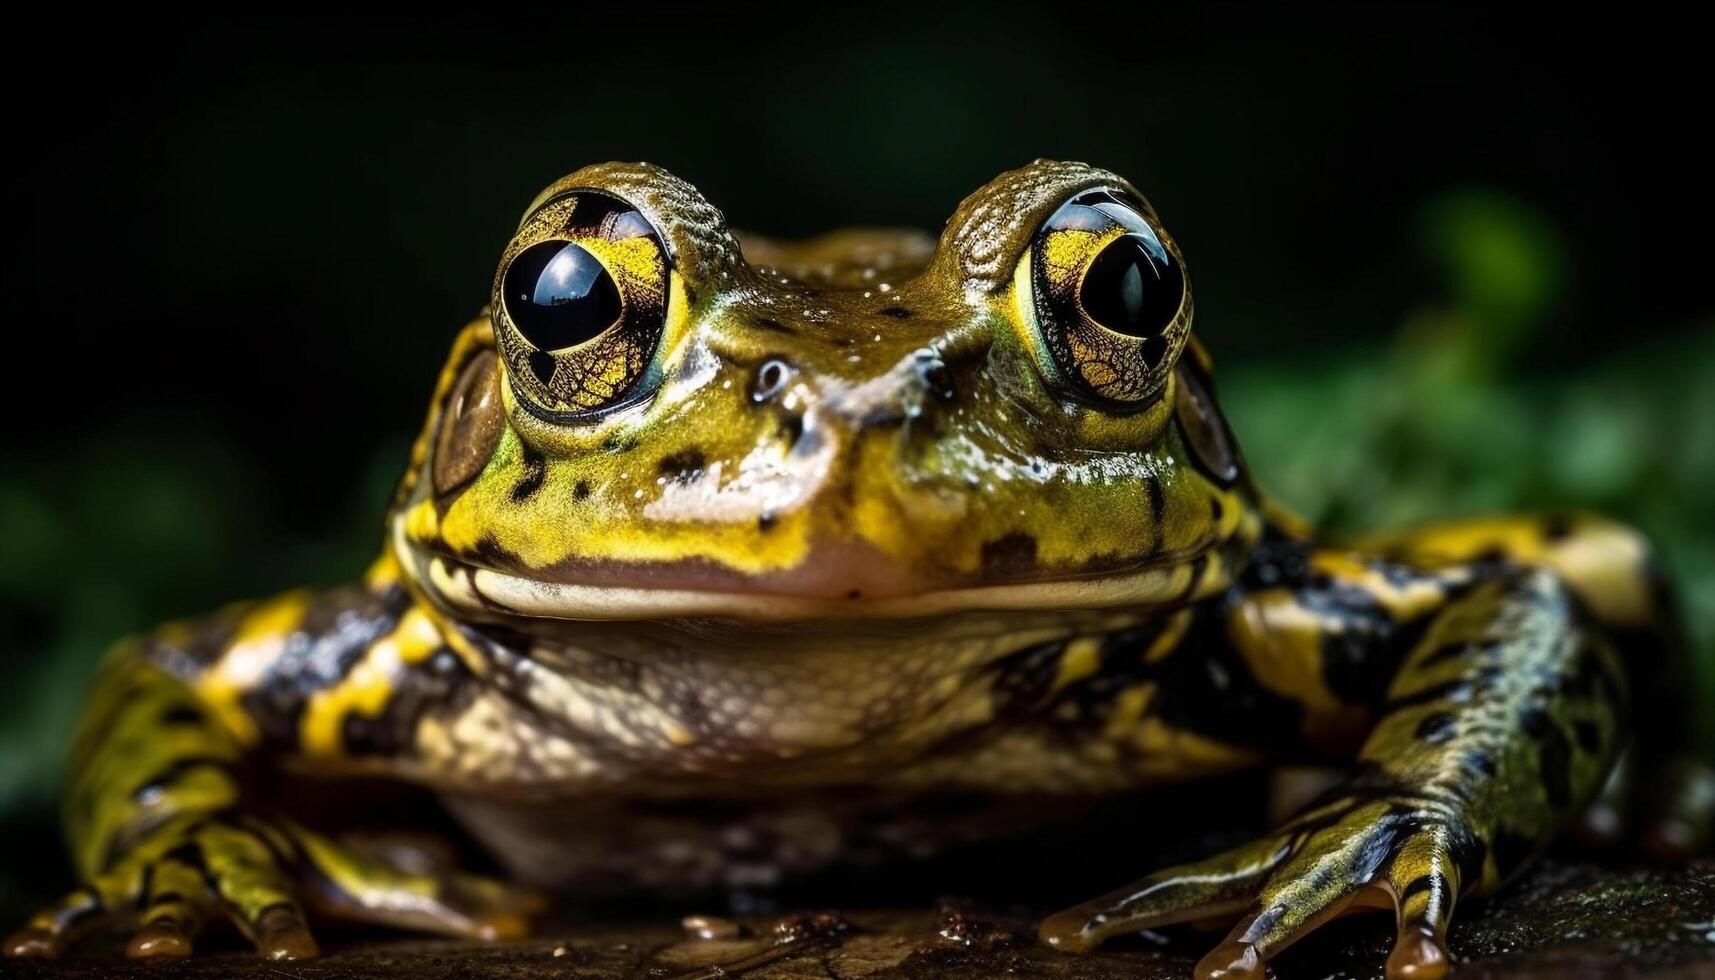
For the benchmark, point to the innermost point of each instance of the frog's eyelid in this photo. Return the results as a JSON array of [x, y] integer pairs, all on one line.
[[631, 223], [1080, 217], [1099, 208]]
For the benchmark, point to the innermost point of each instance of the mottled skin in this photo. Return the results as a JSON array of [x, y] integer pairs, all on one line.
[[870, 511]]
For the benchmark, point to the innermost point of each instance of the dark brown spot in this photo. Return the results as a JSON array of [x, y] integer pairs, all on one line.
[[542, 366], [1558, 527], [535, 471], [1024, 681], [682, 467], [771, 325], [490, 552], [1446, 651], [472, 420], [181, 714], [1014, 554], [897, 312], [1157, 500], [1434, 881], [1436, 728], [175, 770], [1553, 757], [765, 521], [581, 491]]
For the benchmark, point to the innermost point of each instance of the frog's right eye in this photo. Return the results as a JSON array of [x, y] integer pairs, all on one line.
[[558, 294], [1110, 297], [580, 302]]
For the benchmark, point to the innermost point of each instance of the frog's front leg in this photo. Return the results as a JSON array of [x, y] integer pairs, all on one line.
[[1612, 571], [1499, 717], [163, 832]]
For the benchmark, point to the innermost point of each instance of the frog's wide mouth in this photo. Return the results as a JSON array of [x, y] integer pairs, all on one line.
[[834, 590]]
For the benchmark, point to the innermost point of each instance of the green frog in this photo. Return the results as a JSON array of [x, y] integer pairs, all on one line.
[[697, 516]]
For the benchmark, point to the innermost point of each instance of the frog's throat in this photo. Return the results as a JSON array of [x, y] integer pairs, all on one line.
[[480, 592]]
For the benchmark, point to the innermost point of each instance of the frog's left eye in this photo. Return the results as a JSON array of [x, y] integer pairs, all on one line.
[[580, 303], [1110, 295]]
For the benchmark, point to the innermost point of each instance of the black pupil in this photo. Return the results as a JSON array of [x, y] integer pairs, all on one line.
[[559, 295], [1133, 287]]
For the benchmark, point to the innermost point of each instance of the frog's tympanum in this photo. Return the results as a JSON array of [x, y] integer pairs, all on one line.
[[696, 517]]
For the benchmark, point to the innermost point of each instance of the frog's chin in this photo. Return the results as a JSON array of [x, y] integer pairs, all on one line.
[[487, 592]]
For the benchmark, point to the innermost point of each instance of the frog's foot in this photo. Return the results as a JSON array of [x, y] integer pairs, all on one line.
[[1340, 858], [170, 883], [424, 893], [261, 876]]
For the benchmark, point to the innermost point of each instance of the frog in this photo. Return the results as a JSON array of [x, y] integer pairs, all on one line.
[[701, 516]]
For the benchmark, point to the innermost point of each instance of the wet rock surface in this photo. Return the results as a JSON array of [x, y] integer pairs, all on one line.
[[1564, 920]]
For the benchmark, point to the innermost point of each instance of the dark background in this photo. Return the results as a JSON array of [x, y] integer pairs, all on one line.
[[1448, 259]]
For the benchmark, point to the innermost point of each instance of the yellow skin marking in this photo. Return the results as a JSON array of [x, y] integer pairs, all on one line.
[[369, 684], [879, 512], [252, 649]]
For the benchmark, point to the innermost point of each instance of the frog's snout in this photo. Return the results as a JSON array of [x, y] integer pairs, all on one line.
[[918, 386]]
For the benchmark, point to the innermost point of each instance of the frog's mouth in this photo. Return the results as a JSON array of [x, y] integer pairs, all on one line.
[[835, 584]]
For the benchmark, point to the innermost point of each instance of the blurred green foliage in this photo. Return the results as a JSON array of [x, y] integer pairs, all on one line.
[[1447, 416], [1442, 416]]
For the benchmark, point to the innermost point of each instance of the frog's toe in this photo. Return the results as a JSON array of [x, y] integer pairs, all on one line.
[[51, 930], [255, 890], [1375, 856], [1218, 887], [1289, 884], [174, 910], [169, 889], [358, 886]]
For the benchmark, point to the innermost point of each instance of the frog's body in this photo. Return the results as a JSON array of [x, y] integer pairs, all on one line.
[[691, 521]]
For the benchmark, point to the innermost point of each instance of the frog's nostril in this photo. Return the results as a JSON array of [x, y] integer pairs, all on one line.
[[937, 379], [770, 380]]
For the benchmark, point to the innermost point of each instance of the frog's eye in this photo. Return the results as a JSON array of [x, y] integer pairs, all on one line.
[[580, 302], [1110, 295], [558, 295]]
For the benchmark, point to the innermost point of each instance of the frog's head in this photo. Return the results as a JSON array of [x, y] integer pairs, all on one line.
[[655, 421]]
